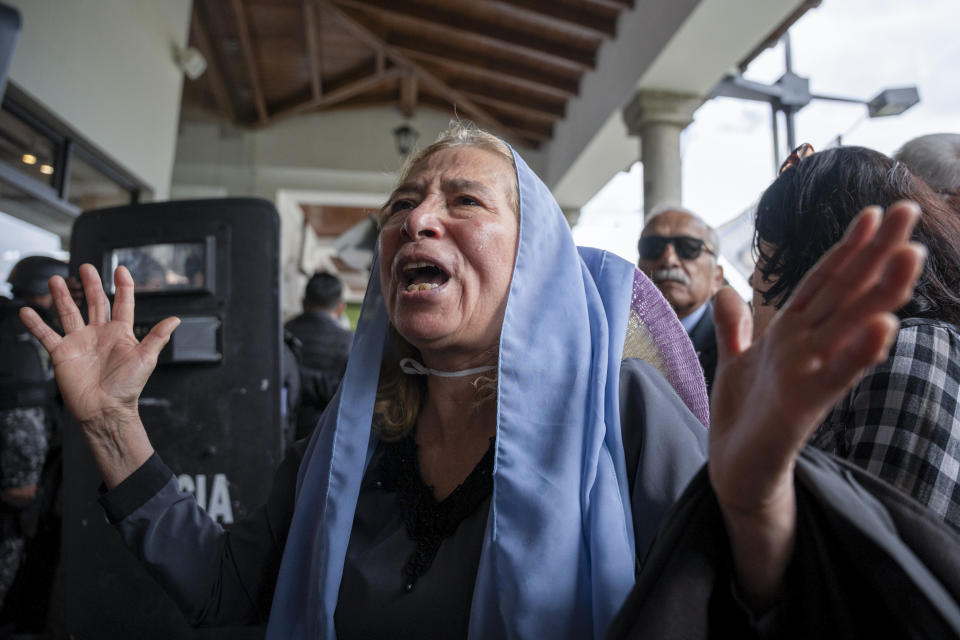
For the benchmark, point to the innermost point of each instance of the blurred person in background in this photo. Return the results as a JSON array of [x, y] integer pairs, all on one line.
[[27, 408], [679, 252], [901, 421], [323, 350], [935, 158]]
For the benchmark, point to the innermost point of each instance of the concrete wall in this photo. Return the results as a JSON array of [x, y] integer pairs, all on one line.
[[106, 68]]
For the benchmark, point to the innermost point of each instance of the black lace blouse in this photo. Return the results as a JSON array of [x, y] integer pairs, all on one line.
[[409, 553]]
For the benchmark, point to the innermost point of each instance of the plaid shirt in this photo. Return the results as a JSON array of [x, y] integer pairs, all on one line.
[[902, 420]]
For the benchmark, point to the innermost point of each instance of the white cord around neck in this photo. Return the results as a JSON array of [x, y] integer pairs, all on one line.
[[412, 367]]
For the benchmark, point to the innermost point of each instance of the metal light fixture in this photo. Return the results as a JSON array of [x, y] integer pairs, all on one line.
[[791, 93], [893, 102], [46, 169], [29, 158], [191, 62], [405, 136]]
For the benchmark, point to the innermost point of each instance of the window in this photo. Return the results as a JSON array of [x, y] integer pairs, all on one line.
[[26, 149], [91, 188], [49, 174]]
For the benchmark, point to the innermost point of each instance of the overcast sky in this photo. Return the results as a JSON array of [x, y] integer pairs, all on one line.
[[852, 48]]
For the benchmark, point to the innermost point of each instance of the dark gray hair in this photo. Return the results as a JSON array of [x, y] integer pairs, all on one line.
[[935, 159]]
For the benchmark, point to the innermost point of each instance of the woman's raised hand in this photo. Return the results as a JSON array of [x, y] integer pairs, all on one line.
[[769, 397], [101, 367]]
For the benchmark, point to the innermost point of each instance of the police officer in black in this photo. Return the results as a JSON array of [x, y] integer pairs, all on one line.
[[324, 347], [27, 394]]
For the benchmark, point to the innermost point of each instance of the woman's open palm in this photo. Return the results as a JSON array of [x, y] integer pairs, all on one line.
[[771, 395], [100, 366]]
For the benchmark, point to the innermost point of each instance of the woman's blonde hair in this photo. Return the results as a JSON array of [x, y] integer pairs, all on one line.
[[400, 396]]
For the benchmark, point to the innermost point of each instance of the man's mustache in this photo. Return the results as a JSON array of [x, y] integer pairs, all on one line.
[[670, 275]]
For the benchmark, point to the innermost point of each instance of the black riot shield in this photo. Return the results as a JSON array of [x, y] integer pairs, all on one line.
[[212, 408]]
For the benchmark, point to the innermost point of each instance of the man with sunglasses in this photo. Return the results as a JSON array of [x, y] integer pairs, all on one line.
[[678, 251]]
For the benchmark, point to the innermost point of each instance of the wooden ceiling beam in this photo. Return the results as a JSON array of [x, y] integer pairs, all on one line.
[[408, 93], [427, 79], [619, 5], [246, 46], [514, 109], [539, 103], [489, 34], [217, 84], [422, 50], [348, 90], [519, 102], [537, 135], [337, 93], [597, 21], [313, 47]]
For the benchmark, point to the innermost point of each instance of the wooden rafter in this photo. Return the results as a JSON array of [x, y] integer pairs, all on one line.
[[427, 79], [544, 105], [490, 34], [246, 46], [338, 93], [619, 5], [344, 92], [214, 75], [530, 131], [313, 47], [509, 65], [514, 109], [408, 93], [564, 88], [598, 21]]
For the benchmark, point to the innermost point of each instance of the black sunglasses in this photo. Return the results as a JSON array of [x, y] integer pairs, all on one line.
[[687, 247]]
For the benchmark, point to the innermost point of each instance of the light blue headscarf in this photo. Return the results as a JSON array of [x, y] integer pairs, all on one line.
[[558, 556]]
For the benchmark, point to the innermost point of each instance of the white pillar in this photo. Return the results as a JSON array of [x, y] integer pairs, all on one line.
[[659, 117]]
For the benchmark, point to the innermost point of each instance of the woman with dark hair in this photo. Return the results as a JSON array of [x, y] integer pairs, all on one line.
[[902, 420]]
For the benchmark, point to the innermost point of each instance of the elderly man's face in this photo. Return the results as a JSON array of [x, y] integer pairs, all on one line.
[[447, 251], [686, 283]]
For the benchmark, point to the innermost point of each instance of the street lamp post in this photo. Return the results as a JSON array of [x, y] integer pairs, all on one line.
[[791, 93]]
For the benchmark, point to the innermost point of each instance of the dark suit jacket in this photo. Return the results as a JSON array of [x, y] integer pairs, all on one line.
[[704, 340], [325, 347]]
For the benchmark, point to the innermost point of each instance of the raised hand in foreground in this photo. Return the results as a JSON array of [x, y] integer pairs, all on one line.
[[770, 396], [101, 367]]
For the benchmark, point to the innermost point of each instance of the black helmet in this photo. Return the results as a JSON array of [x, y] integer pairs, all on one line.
[[29, 276]]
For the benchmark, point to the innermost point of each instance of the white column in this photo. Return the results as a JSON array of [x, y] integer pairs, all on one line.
[[659, 117]]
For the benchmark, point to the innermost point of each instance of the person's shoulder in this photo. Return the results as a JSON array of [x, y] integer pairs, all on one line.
[[306, 323], [293, 323], [924, 351], [10, 306], [928, 326], [637, 371], [10, 314], [703, 334], [927, 339], [638, 368]]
